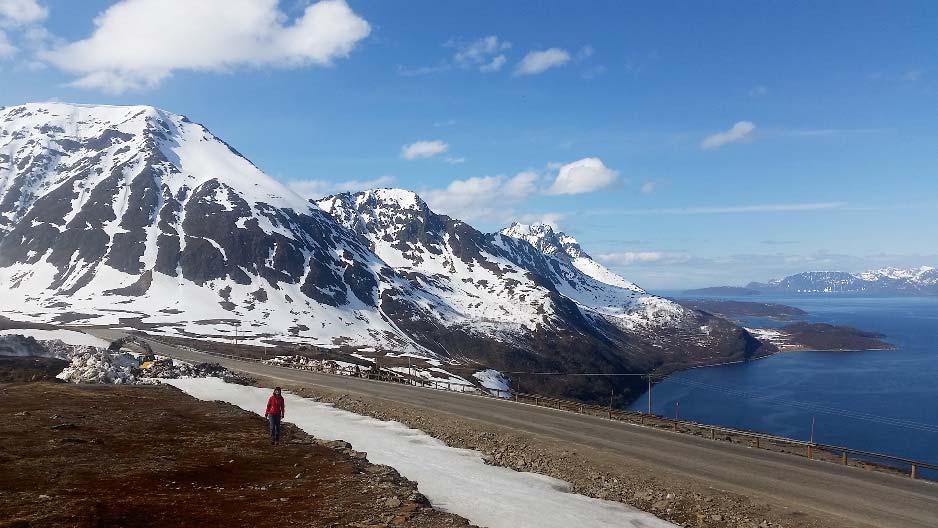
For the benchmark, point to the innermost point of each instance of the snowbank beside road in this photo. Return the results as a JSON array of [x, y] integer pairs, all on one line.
[[69, 337], [455, 480]]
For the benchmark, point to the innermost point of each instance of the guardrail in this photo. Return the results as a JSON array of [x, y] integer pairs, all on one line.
[[808, 449]]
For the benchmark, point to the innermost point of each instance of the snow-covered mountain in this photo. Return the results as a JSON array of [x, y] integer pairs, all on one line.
[[502, 286], [133, 216], [886, 281]]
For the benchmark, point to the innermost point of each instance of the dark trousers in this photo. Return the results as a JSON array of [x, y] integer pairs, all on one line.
[[274, 422]]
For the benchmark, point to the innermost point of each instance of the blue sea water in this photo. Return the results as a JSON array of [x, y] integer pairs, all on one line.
[[883, 401]]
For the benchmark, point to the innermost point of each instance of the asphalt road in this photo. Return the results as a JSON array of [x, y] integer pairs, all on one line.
[[850, 495]]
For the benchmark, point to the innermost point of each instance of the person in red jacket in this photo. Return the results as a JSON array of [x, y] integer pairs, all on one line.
[[274, 413]]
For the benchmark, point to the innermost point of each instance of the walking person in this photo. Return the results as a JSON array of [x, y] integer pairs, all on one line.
[[274, 413]]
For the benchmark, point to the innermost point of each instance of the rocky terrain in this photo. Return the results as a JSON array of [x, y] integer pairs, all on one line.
[[135, 217], [150, 456]]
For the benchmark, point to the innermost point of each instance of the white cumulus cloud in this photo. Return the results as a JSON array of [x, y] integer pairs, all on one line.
[[482, 198], [737, 132], [6, 48], [21, 12], [423, 149], [536, 62], [320, 188], [485, 54], [582, 176], [626, 258], [139, 43]]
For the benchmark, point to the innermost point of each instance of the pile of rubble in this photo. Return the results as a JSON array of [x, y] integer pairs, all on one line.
[[166, 368], [89, 364]]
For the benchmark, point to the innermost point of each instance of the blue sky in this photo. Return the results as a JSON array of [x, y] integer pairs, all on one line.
[[683, 143]]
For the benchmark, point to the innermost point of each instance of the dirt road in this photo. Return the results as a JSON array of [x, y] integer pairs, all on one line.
[[840, 496]]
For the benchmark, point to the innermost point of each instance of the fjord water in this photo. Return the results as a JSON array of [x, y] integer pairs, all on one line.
[[883, 401]]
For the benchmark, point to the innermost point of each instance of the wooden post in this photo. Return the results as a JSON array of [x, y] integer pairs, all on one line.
[[536, 401], [712, 434], [810, 453], [757, 442], [914, 473], [843, 457]]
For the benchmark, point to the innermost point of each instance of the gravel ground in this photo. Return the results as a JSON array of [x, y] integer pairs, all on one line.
[[592, 472]]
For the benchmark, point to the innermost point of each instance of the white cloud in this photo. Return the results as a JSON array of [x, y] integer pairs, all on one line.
[[6, 48], [485, 198], [423, 149], [454, 160], [758, 91], [537, 62], [737, 132], [320, 188], [551, 219], [139, 43], [582, 176], [21, 12], [484, 54], [421, 70], [626, 258], [649, 187], [494, 65]]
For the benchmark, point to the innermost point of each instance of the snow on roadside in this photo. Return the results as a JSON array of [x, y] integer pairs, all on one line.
[[495, 382], [455, 480], [69, 337]]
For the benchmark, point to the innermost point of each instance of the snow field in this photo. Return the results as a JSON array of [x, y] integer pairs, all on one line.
[[455, 480], [69, 337]]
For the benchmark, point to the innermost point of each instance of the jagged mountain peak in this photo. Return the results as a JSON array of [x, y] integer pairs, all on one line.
[[562, 246], [546, 239]]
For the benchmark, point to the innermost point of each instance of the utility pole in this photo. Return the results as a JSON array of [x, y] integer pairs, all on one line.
[[812, 429]]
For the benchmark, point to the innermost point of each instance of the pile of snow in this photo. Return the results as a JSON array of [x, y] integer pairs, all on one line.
[[70, 337], [455, 480], [97, 365]]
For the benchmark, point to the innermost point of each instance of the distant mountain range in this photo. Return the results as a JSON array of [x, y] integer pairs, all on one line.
[[886, 281], [137, 217]]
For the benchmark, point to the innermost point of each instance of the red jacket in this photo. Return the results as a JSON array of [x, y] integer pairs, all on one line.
[[275, 406]]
